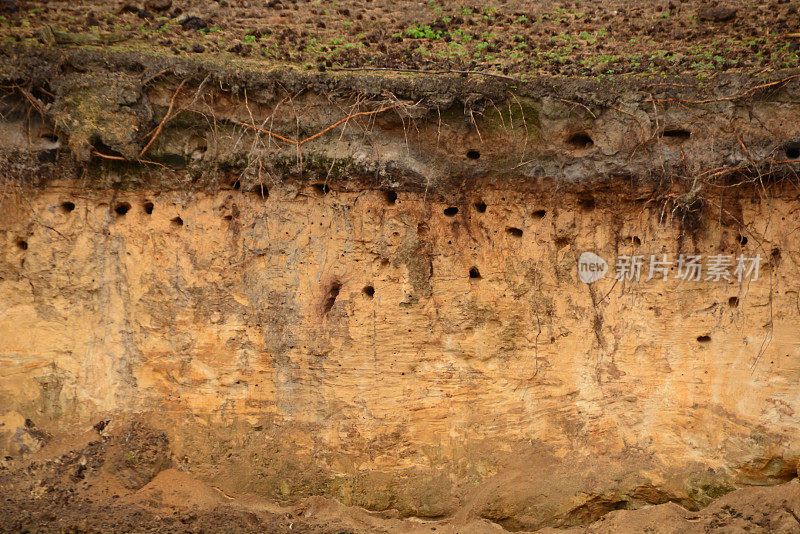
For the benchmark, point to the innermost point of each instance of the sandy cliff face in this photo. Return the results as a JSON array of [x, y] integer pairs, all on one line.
[[366, 287], [393, 352]]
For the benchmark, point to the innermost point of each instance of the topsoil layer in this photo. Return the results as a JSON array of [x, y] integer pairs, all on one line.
[[518, 39]]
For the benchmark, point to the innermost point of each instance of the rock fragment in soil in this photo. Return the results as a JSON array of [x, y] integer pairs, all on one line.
[[192, 22], [717, 14], [158, 5]]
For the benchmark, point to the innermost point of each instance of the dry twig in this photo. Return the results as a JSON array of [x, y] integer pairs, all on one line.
[[163, 121]]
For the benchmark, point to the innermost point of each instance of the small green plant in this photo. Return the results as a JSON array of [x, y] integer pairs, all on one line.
[[423, 32], [456, 49], [460, 34]]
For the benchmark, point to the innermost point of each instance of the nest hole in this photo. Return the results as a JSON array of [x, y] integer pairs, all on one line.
[[177, 221], [473, 154], [106, 150], [586, 203], [67, 207], [22, 244], [122, 208], [703, 339], [474, 273], [369, 291], [262, 191], [733, 302], [775, 256], [791, 149], [514, 232], [451, 211], [148, 207], [322, 189], [539, 214], [580, 140], [677, 133], [480, 206], [330, 299], [236, 185], [741, 239], [390, 197]]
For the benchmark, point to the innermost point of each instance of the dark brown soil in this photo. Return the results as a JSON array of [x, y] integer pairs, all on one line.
[[520, 39]]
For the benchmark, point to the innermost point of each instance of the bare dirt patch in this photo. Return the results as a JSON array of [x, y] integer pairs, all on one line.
[[122, 477]]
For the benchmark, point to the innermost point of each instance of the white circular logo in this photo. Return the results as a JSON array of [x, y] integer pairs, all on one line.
[[591, 267]]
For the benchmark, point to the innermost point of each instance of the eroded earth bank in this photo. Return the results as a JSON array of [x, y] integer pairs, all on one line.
[[253, 299]]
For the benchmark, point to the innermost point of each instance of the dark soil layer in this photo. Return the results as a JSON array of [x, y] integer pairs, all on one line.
[[520, 39]]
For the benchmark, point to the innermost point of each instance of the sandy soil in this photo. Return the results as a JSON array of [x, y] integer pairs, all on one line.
[[521, 39]]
